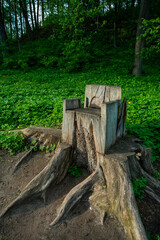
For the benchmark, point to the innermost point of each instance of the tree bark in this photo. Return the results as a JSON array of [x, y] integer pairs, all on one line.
[[31, 12], [133, 3], [16, 24], [42, 9], [138, 59], [115, 24], [21, 22], [10, 17], [34, 11], [25, 14], [37, 13], [3, 35]]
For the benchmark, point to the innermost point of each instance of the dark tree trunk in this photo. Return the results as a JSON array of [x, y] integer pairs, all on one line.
[[34, 11], [116, 24], [144, 13], [21, 21], [10, 18], [37, 13], [16, 24], [3, 35], [42, 8], [30, 6], [25, 14], [133, 2]]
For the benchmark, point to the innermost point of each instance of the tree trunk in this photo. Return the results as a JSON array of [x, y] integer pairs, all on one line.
[[25, 15], [42, 9], [3, 35], [31, 12], [115, 24], [144, 13], [91, 137], [21, 22], [34, 11], [10, 17], [16, 24], [37, 13], [132, 4]]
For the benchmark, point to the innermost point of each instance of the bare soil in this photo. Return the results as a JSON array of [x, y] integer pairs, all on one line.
[[31, 221]]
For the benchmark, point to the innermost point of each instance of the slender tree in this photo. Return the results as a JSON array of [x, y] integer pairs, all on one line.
[[21, 21], [23, 6], [3, 35], [16, 24], [144, 13], [31, 12], [42, 9], [133, 3], [34, 12], [115, 24], [37, 13]]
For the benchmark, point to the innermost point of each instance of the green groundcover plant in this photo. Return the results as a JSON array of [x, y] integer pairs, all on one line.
[[75, 170], [138, 186]]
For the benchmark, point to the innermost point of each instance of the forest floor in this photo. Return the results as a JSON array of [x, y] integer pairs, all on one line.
[[31, 220]]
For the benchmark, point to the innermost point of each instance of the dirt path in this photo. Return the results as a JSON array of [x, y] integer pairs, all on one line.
[[31, 220]]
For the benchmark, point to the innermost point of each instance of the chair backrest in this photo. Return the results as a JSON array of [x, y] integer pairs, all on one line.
[[95, 95]]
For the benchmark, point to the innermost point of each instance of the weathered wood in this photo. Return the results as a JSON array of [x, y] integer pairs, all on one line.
[[120, 196], [107, 125], [23, 160], [153, 185], [74, 196]]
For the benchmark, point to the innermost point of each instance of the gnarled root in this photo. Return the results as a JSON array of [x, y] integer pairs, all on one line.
[[152, 186], [43, 136], [55, 172], [120, 198], [74, 196]]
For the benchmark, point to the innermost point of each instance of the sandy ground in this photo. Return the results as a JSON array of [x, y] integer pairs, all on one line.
[[31, 221]]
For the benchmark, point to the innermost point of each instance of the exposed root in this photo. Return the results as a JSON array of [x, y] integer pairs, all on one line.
[[74, 196], [44, 136], [55, 171], [120, 200], [23, 160], [153, 185]]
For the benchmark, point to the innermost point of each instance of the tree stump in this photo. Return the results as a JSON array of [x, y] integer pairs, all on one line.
[[94, 137]]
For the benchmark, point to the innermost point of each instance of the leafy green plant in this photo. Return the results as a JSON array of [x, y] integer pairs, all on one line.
[[152, 35], [75, 171], [156, 174], [34, 145], [48, 148], [152, 237], [42, 147], [138, 186], [13, 142]]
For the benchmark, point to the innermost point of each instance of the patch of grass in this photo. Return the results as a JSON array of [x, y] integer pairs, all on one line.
[[12, 142], [138, 186]]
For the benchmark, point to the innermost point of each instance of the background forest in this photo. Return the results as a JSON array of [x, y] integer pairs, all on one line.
[[50, 50]]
